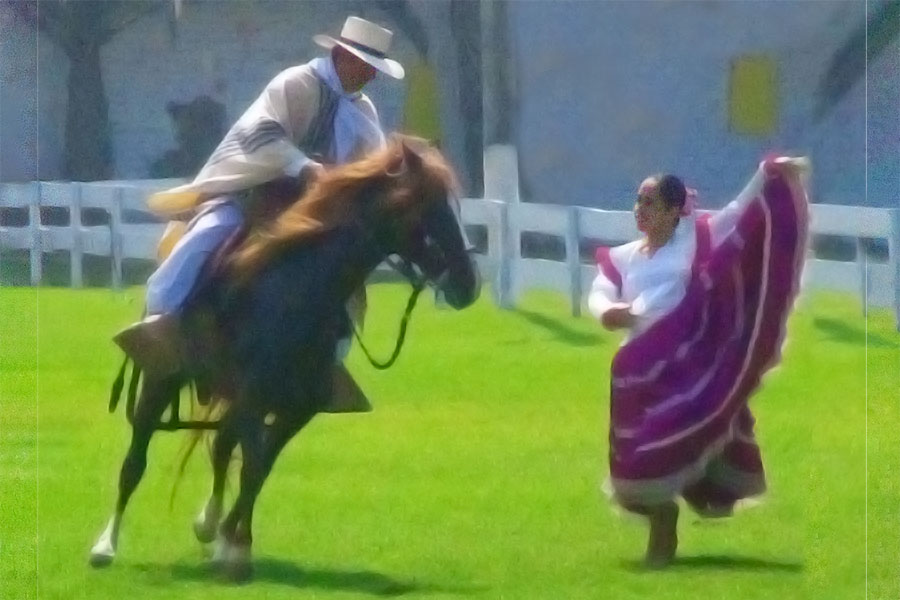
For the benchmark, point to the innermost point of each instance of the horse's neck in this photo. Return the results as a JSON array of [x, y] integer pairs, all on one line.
[[362, 258], [344, 258]]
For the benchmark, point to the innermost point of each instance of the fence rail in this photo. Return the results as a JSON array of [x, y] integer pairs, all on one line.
[[130, 235], [877, 283]]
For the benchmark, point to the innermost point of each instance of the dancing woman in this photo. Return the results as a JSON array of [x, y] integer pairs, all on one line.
[[705, 301]]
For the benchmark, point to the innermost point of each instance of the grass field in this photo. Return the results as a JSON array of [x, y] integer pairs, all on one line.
[[477, 476]]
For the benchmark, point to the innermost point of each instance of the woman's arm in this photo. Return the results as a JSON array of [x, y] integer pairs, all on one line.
[[722, 223], [606, 306]]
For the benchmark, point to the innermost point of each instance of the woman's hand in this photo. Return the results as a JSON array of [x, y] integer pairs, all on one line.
[[794, 169], [617, 317]]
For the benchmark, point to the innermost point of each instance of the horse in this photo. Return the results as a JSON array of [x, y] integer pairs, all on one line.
[[272, 318]]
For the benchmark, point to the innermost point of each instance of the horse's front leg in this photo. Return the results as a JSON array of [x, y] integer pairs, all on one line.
[[236, 536], [155, 397], [231, 550], [206, 525], [280, 433]]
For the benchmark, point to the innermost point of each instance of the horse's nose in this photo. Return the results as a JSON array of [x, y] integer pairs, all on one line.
[[462, 288]]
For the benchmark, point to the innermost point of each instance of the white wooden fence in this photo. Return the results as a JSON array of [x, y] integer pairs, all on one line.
[[120, 239], [878, 284]]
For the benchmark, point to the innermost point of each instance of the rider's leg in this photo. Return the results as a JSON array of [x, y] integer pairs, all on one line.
[[152, 343], [169, 286]]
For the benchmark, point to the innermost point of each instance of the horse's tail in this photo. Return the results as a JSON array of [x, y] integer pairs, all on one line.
[[207, 405]]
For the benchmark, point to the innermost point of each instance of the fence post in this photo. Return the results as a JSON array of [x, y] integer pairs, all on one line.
[[573, 258], [862, 260], [503, 284], [115, 237], [34, 220], [894, 261], [77, 251], [501, 182]]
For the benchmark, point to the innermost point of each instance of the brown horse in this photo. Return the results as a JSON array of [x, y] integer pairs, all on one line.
[[271, 322]]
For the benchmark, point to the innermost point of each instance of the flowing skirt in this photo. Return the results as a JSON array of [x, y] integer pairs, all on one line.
[[680, 423]]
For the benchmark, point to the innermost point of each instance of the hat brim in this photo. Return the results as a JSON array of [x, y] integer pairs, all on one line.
[[387, 66]]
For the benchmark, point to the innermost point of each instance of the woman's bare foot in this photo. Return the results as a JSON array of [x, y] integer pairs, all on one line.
[[663, 540]]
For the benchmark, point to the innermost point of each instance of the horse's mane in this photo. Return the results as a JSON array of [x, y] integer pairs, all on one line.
[[407, 174]]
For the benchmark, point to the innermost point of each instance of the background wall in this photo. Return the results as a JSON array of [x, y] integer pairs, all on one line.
[[613, 91], [608, 91]]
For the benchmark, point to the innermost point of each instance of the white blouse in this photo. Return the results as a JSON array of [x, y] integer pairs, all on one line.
[[654, 285]]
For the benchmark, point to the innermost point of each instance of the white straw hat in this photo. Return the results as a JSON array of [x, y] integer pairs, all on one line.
[[367, 41]]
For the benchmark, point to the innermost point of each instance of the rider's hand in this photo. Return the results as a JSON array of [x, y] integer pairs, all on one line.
[[311, 172]]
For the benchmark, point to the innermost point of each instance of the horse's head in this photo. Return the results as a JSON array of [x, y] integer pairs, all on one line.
[[419, 220], [400, 198]]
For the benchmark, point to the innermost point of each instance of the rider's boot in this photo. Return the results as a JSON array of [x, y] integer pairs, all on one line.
[[153, 344]]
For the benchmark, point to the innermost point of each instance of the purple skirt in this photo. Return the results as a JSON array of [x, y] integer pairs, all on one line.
[[679, 422]]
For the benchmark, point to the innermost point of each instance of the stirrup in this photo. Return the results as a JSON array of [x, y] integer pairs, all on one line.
[[153, 344]]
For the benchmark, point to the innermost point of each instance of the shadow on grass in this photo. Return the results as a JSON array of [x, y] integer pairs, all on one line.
[[839, 331], [282, 572], [562, 332], [720, 563]]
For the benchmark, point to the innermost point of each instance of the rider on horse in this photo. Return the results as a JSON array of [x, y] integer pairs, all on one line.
[[264, 162]]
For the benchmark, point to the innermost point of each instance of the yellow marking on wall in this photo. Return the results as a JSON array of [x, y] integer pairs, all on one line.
[[753, 95], [421, 114]]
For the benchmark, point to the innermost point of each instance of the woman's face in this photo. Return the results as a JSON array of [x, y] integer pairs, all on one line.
[[651, 213]]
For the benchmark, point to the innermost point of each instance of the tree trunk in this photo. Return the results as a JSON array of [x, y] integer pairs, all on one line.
[[498, 65], [465, 26], [88, 150]]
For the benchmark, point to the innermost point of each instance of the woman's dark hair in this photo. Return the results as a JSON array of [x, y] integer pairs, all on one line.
[[671, 190]]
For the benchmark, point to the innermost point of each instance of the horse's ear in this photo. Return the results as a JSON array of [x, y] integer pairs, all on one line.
[[412, 158], [396, 164]]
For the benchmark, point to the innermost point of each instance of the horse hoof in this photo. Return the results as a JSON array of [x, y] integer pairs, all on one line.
[[232, 560], [99, 561], [220, 552], [102, 555], [104, 550], [204, 530]]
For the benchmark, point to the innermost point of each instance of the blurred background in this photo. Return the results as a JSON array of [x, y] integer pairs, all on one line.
[[593, 94]]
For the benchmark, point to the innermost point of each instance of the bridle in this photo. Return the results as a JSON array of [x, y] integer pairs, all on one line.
[[418, 285], [419, 281]]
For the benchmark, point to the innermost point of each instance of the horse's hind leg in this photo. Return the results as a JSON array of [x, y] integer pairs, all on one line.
[[206, 524], [155, 397]]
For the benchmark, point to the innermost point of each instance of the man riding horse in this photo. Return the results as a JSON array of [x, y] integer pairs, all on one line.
[[307, 116], [276, 311]]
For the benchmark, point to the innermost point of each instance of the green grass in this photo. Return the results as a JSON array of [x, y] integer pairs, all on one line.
[[477, 476]]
